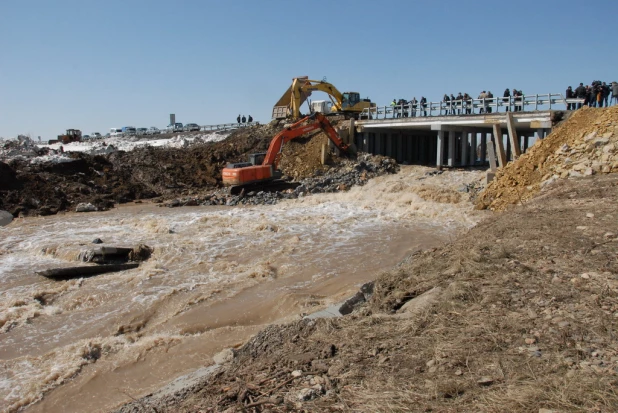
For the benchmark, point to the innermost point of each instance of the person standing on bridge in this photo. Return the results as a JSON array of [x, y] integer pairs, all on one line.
[[238, 119], [244, 120], [453, 104], [614, 92], [459, 103], [569, 94], [506, 98], [489, 97], [447, 103], [414, 104], [424, 105], [482, 97], [468, 103], [580, 93], [605, 90], [250, 119]]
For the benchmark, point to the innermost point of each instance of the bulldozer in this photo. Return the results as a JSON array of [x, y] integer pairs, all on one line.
[[348, 104], [72, 135]]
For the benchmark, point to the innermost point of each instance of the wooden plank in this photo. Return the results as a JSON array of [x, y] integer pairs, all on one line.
[[514, 139], [499, 145]]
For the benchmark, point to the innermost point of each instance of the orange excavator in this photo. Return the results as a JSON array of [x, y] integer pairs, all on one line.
[[255, 175]]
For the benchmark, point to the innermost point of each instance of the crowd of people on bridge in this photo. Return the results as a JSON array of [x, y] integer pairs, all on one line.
[[242, 119], [457, 105], [595, 95]]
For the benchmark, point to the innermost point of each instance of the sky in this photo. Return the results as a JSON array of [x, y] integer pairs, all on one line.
[[94, 65]]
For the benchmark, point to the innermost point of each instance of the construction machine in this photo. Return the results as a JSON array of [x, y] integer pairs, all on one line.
[[72, 135], [349, 104], [262, 169]]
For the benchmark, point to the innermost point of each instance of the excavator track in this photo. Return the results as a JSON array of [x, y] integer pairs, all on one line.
[[275, 185]]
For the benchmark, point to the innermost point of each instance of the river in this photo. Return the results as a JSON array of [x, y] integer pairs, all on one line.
[[216, 277]]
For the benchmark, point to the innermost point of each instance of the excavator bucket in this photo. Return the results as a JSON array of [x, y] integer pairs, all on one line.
[[281, 110]]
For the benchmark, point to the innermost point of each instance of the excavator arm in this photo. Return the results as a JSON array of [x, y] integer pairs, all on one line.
[[302, 88], [297, 129]]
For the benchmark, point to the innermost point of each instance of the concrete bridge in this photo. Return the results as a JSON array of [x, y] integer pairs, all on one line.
[[447, 139]]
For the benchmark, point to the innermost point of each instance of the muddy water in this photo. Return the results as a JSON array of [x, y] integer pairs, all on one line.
[[216, 277]]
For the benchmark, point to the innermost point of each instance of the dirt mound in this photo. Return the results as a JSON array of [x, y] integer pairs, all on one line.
[[518, 314], [301, 157], [584, 145], [103, 180]]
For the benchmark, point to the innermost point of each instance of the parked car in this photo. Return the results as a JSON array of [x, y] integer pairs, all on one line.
[[153, 131], [190, 127], [176, 127], [95, 135], [85, 137], [129, 131], [115, 132], [141, 131]]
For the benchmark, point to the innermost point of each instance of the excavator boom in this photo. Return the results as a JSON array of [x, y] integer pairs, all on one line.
[[302, 87]]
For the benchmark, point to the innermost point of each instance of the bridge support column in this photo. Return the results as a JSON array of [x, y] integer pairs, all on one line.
[[483, 136], [451, 148], [440, 152], [472, 148], [464, 148]]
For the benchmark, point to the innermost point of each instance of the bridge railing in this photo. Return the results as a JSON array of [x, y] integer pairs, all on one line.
[[470, 106], [227, 126]]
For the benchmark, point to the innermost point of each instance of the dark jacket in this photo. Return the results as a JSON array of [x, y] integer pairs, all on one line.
[[569, 94], [615, 89], [580, 92]]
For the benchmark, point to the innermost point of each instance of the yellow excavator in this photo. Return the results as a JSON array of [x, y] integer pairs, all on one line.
[[349, 104]]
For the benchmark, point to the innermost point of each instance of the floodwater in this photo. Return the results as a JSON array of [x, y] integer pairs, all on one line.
[[216, 277]]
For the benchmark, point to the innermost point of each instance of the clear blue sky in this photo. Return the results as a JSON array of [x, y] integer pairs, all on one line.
[[93, 64]]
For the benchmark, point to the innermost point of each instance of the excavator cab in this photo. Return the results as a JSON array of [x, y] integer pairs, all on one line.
[[350, 99]]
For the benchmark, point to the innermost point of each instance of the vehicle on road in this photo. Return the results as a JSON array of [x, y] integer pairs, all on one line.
[[129, 130], [141, 131], [176, 127], [113, 132], [85, 136], [190, 127], [153, 131], [95, 135]]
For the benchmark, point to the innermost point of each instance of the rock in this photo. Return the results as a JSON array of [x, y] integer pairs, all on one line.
[[530, 340], [5, 218], [297, 373], [589, 215], [306, 394], [85, 207], [97, 241], [419, 304], [585, 276], [588, 172], [542, 410], [224, 356], [485, 381]]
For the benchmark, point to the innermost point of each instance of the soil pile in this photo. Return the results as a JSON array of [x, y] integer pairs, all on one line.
[[301, 157], [43, 188], [584, 145], [518, 314]]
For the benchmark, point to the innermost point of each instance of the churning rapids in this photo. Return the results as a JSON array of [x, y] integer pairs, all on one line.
[[217, 276]]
